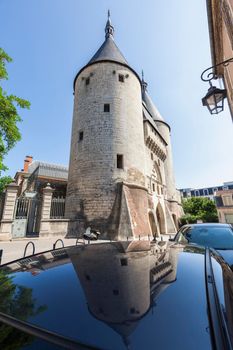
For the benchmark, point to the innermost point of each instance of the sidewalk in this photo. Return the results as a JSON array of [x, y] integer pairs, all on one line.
[[14, 249]]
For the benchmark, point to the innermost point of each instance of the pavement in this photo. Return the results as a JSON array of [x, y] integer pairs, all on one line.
[[14, 249]]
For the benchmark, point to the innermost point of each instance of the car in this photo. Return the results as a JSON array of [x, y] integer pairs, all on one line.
[[117, 295], [214, 235]]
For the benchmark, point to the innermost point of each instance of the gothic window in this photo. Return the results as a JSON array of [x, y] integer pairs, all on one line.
[[87, 81], [121, 78], [120, 161], [106, 107], [80, 136], [153, 186]]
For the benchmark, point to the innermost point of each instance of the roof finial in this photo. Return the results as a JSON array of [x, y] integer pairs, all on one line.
[[144, 84], [109, 29]]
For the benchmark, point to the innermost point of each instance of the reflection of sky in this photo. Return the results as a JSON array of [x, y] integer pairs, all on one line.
[[179, 311], [182, 312]]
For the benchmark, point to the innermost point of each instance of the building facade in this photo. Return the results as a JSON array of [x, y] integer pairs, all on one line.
[[220, 18], [208, 192], [224, 204], [121, 179]]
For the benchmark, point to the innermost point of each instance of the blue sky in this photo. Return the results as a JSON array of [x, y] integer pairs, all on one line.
[[50, 40]]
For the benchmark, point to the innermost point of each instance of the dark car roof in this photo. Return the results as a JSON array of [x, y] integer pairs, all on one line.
[[114, 296], [208, 224]]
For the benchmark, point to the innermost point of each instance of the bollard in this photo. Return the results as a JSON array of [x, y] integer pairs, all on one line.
[[58, 240], [26, 247]]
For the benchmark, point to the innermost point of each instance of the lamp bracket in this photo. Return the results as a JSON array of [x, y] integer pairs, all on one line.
[[205, 76]]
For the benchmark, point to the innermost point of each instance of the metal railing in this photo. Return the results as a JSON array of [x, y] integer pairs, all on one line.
[[57, 208]]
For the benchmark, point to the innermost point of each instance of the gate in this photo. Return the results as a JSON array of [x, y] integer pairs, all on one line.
[[27, 217]]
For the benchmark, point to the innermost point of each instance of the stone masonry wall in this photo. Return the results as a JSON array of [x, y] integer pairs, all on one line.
[[93, 172]]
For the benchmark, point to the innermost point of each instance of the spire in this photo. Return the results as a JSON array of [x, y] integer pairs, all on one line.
[[109, 29], [144, 84]]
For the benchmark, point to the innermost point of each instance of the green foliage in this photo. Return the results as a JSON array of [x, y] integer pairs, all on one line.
[[18, 301], [9, 117], [199, 208], [4, 181]]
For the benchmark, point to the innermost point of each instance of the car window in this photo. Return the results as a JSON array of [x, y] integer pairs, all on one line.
[[218, 237], [180, 237]]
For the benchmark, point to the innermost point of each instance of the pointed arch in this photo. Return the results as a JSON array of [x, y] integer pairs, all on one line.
[[160, 219], [158, 172], [153, 225], [175, 221]]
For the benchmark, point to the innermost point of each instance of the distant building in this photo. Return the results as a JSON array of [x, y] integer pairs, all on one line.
[[35, 175], [224, 204], [220, 18], [208, 192]]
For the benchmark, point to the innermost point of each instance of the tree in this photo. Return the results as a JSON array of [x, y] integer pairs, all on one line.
[[9, 117], [4, 181], [199, 208], [18, 301]]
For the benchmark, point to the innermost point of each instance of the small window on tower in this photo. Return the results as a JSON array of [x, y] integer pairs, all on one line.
[[121, 78], [124, 262], [80, 136], [153, 186], [87, 81], [119, 161], [151, 155], [106, 107]]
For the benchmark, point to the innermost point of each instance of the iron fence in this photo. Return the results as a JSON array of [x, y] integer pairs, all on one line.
[[22, 208], [57, 208]]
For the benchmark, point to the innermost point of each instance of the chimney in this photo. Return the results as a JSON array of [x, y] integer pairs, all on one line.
[[27, 162]]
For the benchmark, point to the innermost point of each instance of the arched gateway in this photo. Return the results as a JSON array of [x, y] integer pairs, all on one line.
[[160, 219]]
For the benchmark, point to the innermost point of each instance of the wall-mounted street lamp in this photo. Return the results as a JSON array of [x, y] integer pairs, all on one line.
[[214, 99]]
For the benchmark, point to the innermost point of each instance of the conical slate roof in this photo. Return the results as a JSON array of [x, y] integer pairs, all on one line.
[[149, 103], [151, 107], [108, 51]]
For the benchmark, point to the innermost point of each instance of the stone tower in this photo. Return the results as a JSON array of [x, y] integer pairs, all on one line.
[[107, 147], [120, 173]]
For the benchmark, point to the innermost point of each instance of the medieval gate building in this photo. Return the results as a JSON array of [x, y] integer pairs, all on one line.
[[121, 179]]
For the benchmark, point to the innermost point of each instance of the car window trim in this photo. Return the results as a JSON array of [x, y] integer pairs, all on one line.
[[218, 327]]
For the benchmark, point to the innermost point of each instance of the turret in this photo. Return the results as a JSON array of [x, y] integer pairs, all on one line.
[[107, 145], [164, 129]]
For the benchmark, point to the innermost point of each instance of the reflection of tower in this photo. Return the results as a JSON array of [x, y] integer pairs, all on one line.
[[120, 280], [115, 281]]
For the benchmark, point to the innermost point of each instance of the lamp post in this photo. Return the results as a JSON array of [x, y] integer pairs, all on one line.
[[214, 99]]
